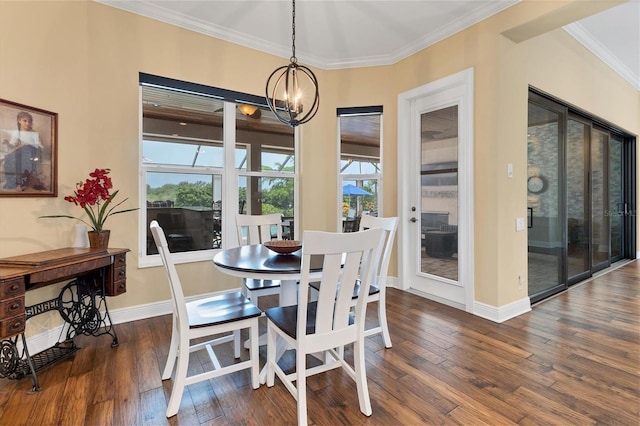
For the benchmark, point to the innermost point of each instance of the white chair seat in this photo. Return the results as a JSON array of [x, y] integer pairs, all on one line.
[[220, 309]]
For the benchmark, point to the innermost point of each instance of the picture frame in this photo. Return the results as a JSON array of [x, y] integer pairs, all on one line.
[[28, 151]]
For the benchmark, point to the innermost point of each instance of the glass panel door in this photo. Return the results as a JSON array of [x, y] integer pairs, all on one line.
[[439, 192], [599, 220], [579, 193], [435, 124], [616, 197], [578, 212], [546, 225]]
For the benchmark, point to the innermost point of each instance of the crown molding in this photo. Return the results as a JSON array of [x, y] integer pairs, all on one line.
[[153, 11], [578, 32]]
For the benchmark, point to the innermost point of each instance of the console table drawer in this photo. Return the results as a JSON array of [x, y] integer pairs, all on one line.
[[68, 271], [10, 288], [11, 307], [11, 326], [120, 261], [117, 288], [117, 279]]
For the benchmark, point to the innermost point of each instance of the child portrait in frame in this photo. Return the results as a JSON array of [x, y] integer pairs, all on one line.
[[28, 148]]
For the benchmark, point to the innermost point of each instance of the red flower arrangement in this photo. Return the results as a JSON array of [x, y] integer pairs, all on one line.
[[94, 197]]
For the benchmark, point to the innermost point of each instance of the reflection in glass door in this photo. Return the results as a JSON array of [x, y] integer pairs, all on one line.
[[546, 225]]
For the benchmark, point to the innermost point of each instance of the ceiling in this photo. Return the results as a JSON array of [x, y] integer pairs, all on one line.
[[334, 34]]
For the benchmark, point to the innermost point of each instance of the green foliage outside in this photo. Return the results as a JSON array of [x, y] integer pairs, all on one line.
[[184, 194], [277, 199]]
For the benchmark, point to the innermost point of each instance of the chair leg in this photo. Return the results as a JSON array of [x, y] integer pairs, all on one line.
[[361, 377], [180, 379], [173, 352], [271, 355], [301, 387], [253, 352], [382, 319], [236, 343]]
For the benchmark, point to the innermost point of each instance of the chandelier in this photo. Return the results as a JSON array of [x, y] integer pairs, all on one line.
[[292, 90]]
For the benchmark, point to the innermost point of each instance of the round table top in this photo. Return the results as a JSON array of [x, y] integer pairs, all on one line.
[[257, 259]]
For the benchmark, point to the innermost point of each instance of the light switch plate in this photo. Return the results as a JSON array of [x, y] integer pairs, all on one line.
[[520, 224], [509, 170]]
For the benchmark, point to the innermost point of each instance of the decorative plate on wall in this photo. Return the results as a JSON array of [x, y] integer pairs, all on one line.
[[537, 184]]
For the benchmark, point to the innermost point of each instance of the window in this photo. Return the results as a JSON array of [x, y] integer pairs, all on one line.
[[360, 131], [208, 154]]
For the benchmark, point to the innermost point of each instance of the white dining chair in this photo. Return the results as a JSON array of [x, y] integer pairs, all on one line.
[[377, 291], [204, 318], [326, 324], [257, 229]]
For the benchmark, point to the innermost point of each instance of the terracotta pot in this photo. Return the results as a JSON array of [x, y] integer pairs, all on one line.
[[99, 239]]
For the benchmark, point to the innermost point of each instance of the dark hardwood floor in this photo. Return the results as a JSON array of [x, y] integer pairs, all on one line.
[[573, 360]]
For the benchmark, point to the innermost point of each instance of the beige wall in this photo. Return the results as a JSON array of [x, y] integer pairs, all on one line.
[[82, 59]]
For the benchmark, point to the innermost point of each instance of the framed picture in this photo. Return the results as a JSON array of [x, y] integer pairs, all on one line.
[[28, 151]]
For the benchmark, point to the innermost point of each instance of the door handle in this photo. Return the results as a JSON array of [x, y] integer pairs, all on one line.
[[413, 220]]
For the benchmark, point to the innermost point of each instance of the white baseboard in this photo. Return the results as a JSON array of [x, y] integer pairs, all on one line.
[[39, 342], [502, 313], [496, 314], [392, 282], [135, 313]]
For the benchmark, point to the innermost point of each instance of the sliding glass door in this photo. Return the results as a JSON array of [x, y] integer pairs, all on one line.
[[599, 191], [617, 210], [545, 142], [579, 189], [578, 201]]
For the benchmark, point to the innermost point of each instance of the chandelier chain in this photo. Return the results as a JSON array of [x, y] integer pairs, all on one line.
[[295, 85], [293, 33]]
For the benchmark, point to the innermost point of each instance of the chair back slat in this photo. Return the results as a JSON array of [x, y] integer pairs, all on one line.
[[348, 258], [258, 228], [390, 226], [177, 295]]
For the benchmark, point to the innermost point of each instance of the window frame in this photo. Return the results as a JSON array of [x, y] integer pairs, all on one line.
[[354, 111], [228, 171]]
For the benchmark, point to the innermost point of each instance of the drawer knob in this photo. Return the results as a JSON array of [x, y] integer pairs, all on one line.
[[15, 326]]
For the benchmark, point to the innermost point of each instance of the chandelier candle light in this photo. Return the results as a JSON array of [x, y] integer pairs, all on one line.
[[94, 193], [293, 84]]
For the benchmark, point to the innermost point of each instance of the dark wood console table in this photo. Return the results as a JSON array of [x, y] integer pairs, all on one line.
[[95, 274]]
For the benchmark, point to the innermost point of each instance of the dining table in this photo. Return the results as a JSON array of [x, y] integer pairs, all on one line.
[[258, 262]]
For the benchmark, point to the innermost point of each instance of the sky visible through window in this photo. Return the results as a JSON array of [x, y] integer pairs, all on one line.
[[184, 154]]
